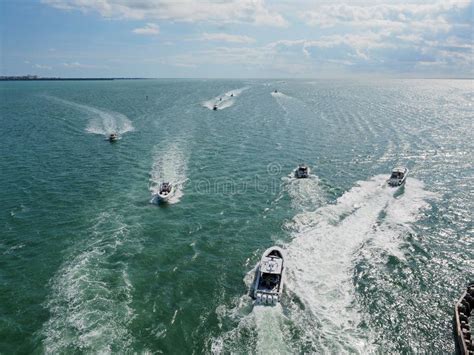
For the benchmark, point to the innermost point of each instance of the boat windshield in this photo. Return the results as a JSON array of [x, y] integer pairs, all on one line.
[[272, 265]]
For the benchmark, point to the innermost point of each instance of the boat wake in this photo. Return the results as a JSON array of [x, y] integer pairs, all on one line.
[[327, 245], [225, 100], [101, 121], [289, 104], [319, 312], [306, 194], [168, 166], [255, 329], [279, 95], [90, 305]]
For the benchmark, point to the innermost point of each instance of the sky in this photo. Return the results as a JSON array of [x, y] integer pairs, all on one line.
[[236, 38]]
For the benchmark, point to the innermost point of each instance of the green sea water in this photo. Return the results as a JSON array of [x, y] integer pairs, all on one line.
[[88, 264]]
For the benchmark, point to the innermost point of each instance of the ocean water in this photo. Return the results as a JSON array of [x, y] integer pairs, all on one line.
[[88, 264]]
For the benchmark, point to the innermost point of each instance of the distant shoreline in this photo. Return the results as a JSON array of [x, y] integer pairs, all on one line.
[[35, 78], [30, 78]]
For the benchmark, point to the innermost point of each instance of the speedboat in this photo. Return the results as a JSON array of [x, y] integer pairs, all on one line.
[[113, 137], [302, 172], [165, 192], [214, 107], [398, 177], [268, 284]]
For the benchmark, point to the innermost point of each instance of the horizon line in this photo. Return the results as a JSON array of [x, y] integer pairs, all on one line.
[[30, 77]]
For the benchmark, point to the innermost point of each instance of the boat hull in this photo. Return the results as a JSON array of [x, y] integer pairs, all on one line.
[[267, 288], [162, 198], [299, 174], [398, 182]]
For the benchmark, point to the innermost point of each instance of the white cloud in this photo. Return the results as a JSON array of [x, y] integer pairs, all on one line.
[[231, 11], [257, 59], [394, 17], [397, 34], [353, 45], [225, 37], [184, 65], [381, 36], [73, 65], [150, 29], [41, 66], [77, 65]]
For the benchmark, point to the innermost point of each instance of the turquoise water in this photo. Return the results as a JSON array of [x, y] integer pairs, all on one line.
[[89, 265]]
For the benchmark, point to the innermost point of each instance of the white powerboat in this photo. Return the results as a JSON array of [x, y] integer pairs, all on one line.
[[302, 172], [398, 177], [268, 284], [113, 137], [165, 192]]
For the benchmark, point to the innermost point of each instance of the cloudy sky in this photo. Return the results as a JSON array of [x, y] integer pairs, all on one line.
[[237, 38]]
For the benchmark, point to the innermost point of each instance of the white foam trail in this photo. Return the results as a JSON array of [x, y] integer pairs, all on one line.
[[236, 92], [284, 100], [319, 294], [91, 296], [225, 100], [264, 324], [321, 259], [398, 215], [103, 122], [169, 166], [306, 194], [279, 94], [269, 325]]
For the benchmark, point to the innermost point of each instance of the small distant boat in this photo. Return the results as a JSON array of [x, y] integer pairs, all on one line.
[[214, 107], [113, 137], [398, 177], [165, 193], [302, 172], [268, 284]]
